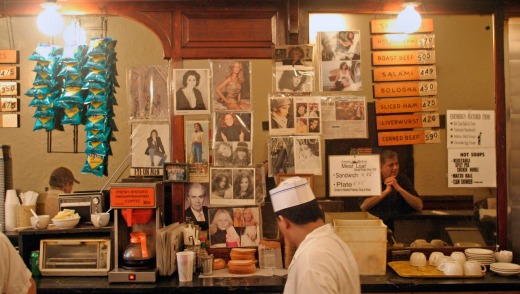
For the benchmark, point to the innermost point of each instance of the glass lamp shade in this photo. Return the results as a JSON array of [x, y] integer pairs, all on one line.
[[50, 22], [409, 20], [74, 34]]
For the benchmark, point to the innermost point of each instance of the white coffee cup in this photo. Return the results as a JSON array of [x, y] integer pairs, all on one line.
[[451, 268], [434, 256], [459, 256], [474, 268], [418, 259], [441, 260], [100, 219], [40, 221], [185, 265], [419, 243], [437, 243]]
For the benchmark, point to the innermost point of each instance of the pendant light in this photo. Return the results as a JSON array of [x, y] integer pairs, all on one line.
[[409, 20], [50, 22]]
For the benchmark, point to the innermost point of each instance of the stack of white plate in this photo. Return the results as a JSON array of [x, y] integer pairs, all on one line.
[[505, 268], [484, 256]]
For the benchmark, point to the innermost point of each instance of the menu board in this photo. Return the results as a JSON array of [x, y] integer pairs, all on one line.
[[472, 167], [354, 175]]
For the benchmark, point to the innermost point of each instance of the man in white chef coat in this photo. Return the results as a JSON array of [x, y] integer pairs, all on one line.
[[15, 277], [323, 263]]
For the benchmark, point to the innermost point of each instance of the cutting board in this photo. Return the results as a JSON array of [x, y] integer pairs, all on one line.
[[405, 270]]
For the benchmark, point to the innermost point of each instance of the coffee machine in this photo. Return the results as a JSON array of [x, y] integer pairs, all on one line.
[[138, 214]]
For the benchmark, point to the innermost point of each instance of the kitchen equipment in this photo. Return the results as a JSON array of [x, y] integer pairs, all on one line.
[[137, 208], [84, 203], [75, 257]]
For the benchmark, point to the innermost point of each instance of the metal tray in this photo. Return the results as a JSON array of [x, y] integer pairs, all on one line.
[[405, 270]]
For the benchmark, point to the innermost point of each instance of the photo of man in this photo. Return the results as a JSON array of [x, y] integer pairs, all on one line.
[[196, 204]]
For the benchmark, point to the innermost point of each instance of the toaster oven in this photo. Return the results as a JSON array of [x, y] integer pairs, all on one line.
[[84, 203], [75, 257]]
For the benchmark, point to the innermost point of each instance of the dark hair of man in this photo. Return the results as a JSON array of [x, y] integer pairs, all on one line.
[[386, 154], [304, 213]]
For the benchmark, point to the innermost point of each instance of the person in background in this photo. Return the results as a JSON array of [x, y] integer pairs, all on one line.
[[61, 182], [189, 97], [197, 212], [398, 194], [323, 263], [15, 277]]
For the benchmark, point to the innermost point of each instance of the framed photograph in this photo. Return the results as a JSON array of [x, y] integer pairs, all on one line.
[[232, 126], [308, 177], [150, 148], [233, 186], [196, 202], [148, 92], [175, 172], [197, 149], [192, 91], [231, 84], [234, 226]]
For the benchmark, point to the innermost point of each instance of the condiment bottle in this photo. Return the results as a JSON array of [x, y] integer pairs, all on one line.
[[202, 252]]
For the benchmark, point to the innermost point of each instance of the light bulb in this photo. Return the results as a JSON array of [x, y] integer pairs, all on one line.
[[50, 22], [408, 20], [74, 34]]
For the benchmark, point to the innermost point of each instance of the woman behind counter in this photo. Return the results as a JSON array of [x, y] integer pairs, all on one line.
[[189, 97]]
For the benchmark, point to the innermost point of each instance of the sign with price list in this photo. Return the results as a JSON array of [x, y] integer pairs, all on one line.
[[406, 105], [409, 137], [403, 41], [354, 175], [396, 57], [408, 121]]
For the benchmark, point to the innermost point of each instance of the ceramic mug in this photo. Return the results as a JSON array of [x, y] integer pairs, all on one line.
[[441, 260], [474, 268], [459, 256], [40, 221], [418, 259], [504, 256], [100, 219], [451, 268], [419, 243], [437, 243], [434, 256]]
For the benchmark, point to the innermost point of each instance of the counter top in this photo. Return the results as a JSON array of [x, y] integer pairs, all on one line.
[[390, 282]]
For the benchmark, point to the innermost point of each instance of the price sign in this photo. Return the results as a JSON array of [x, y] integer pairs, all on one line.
[[404, 73], [403, 41], [8, 72], [382, 26], [354, 175], [405, 89], [8, 56], [9, 120], [407, 121], [406, 105], [8, 88], [403, 57], [8, 104], [409, 137]]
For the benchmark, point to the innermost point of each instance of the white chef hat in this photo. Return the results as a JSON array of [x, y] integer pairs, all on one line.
[[291, 192]]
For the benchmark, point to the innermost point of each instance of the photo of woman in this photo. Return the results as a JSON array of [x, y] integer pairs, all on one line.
[[150, 148], [221, 230], [229, 129], [243, 184], [221, 184], [223, 154], [155, 148], [232, 89], [249, 232], [242, 155], [290, 81], [197, 147], [189, 99]]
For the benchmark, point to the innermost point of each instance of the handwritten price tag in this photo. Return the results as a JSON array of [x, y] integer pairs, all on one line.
[[8, 104], [8, 88]]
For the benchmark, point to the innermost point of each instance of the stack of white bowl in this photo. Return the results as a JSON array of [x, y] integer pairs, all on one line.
[[505, 268], [11, 202], [484, 256]]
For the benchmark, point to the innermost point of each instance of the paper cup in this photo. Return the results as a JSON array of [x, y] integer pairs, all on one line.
[[185, 265]]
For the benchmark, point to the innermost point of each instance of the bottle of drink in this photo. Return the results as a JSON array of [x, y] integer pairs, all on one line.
[[202, 252]]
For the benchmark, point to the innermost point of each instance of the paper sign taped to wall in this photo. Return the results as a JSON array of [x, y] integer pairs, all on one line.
[[354, 175]]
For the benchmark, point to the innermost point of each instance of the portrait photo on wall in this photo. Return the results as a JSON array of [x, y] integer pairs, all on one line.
[[148, 92], [150, 148], [307, 151], [294, 55], [236, 154], [281, 159], [196, 202], [281, 120], [232, 126], [197, 148], [232, 186], [175, 172], [192, 91], [231, 84], [292, 80], [340, 60], [234, 226], [308, 115]]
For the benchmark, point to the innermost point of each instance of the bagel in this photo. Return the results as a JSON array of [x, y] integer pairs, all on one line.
[[219, 263]]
